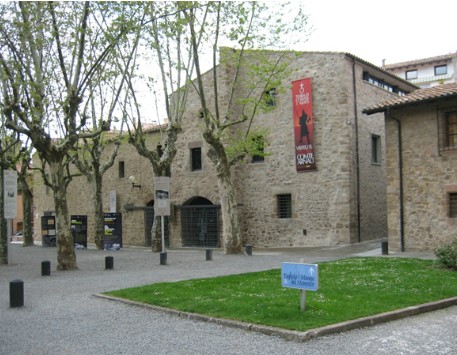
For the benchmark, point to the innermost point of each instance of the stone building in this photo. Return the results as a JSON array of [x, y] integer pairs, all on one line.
[[421, 140], [326, 190]]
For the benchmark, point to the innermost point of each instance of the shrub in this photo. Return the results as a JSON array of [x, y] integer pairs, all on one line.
[[447, 254]]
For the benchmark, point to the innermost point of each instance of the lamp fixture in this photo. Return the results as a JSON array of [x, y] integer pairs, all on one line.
[[133, 181]]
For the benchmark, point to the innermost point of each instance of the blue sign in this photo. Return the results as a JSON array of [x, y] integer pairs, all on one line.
[[301, 276]]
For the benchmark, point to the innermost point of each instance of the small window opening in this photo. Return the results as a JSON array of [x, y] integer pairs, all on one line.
[[453, 205], [270, 97], [258, 141], [441, 69], [375, 149], [284, 206], [121, 170], [411, 74], [196, 158]]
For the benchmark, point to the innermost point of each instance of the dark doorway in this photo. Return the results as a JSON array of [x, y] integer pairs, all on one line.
[[200, 223]]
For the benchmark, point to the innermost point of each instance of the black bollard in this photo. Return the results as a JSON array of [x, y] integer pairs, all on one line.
[[163, 258], [16, 293], [248, 249], [109, 261], [45, 268], [385, 248], [209, 254]]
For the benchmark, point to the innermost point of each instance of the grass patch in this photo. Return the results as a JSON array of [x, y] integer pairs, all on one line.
[[348, 289]]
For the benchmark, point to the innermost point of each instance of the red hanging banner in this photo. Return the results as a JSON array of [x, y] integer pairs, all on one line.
[[302, 104]]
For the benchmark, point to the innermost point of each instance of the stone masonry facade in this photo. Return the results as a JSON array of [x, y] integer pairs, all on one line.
[[343, 201], [429, 176]]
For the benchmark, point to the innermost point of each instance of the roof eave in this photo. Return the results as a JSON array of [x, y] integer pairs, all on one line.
[[408, 104], [386, 72]]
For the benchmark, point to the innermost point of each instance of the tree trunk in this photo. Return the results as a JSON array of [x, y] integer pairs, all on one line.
[[231, 229], [27, 197], [66, 257], [156, 234], [98, 210], [231, 232]]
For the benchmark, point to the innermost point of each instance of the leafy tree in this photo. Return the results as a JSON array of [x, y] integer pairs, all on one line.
[[103, 103], [251, 74], [48, 71], [164, 45]]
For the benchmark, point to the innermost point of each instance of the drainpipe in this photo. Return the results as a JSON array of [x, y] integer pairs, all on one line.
[[357, 158], [400, 168]]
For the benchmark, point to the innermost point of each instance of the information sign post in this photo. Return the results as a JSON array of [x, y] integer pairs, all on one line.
[[162, 206], [9, 203], [300, 276]]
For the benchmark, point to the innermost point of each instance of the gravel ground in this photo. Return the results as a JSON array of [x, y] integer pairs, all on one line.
[[61, 315]]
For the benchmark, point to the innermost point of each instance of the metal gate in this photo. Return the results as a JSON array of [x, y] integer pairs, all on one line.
[[148, 222], [200, 226]]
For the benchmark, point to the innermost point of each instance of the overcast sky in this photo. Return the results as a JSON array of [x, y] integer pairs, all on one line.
[[394, 30]]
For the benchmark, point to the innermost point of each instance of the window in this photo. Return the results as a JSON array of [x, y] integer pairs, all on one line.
[[196, 159], [258, 143], [121, 170], [284, 206], [375, 149], [447, 129], [383, 84], [452, 204], [270, 97], [441, 69], [411, 74], [450, 122]]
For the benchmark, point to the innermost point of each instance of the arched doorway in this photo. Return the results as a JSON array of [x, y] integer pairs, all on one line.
[[199, 223]]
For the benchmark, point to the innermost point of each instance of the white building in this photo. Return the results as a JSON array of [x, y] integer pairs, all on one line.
[[426, 72]]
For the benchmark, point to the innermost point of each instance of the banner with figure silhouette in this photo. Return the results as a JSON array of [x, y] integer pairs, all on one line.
[[302, 104]]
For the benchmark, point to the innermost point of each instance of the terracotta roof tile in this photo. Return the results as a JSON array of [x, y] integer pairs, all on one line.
[[416, 97], [423, 61]]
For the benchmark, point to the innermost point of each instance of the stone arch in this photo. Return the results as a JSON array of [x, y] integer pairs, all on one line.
[[198, 201], [149, 200]]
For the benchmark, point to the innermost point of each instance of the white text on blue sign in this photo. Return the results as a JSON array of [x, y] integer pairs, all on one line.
[[301, 276]]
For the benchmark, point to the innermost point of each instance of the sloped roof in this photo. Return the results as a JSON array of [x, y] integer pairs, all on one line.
[[383, 70], [423, 61], [420, 96]]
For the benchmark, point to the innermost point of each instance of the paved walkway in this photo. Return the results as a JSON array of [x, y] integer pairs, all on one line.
[[61, 315]]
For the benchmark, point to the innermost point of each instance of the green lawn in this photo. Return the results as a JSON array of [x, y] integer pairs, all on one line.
[[348, 289]]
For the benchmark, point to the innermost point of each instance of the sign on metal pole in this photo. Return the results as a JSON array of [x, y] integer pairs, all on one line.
[[300, 276], [162, 196], [10, 193], [162, 202]]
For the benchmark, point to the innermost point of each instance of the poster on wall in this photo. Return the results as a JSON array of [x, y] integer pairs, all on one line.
[[79, 231], [302, 105], [113, 231]]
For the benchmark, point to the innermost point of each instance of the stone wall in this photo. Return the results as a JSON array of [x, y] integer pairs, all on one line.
[[128, 200], [428, 177], [324, 202]]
